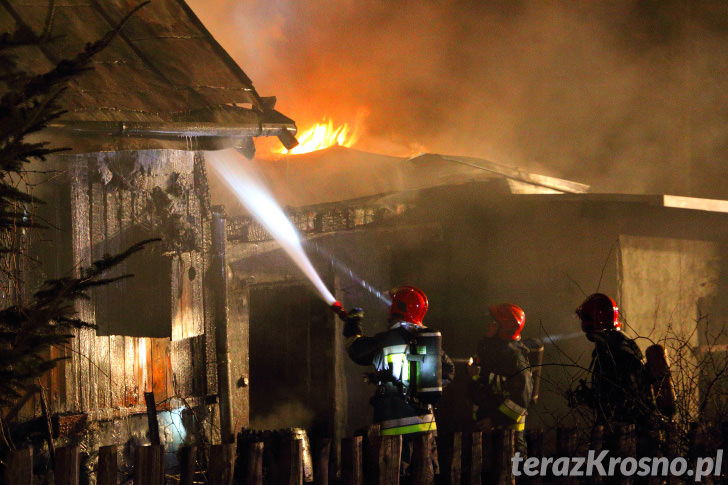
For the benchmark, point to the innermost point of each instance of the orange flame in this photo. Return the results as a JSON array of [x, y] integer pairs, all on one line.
[[324, 135]]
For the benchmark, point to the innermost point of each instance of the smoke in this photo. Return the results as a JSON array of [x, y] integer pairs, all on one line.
[[285, 415], [626, 96], [564, 336], [242, 179]]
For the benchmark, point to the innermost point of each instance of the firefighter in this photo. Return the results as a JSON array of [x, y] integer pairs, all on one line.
[[401, 406], [502, 383], [618, 391]]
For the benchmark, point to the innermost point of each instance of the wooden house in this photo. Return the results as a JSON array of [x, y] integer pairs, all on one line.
[[135, 124]]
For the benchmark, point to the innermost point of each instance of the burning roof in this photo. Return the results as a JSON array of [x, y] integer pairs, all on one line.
[[163, 77], [339, 174]]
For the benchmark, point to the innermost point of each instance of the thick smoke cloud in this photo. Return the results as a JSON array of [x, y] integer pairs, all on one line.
[[626, 96]]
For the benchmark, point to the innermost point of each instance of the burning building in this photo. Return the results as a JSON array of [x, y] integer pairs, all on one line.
[[218, 322], [161, 92], [470, 233]]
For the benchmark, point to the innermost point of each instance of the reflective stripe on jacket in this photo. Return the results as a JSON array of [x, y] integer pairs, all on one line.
[[503, 389], [387, 352], [413, 424]]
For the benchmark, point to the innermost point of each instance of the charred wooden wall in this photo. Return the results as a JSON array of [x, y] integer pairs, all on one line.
[[154, 330]]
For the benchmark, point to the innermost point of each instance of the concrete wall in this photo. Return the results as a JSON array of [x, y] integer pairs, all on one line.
[[667, 287]]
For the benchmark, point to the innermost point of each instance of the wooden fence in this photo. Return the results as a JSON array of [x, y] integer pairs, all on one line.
[[464, 459]]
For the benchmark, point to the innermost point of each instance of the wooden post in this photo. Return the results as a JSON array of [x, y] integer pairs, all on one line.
[[352, 469], [48, 428], [566, 447], [108, 466], [596, 441], [390, 456], [422, 469], [534, 446], [474, 459], [321, 457], [449, 450], [291, 462], [149, 465], [626, 443], [152, 418], [254, 473], [372, 445], [187, 464], [68, 466], [596, 445], [657, 448], [488, 452], [222, 464], [19, 467], [693, 442], [565, 441], [626, 447], [724, 447], [674, 441], [504, 447]]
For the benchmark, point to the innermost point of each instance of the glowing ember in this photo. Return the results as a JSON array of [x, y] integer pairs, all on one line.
[[324, 135]]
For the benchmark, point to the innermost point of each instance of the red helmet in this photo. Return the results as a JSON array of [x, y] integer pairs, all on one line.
[[510, 319], [598, 313], [409, 304]]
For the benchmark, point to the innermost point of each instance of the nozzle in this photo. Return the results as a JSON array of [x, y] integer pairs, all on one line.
[[338, 308], [466, 360]]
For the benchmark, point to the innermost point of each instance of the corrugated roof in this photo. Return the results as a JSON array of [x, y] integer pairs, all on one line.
[[163, 66]]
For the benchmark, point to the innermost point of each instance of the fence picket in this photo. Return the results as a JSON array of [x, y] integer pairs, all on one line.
[[19, 466], [474, 458], [254, 473], [461, 458], [292, 462], [390, 456], [534, 447], [449, 451], [222, 464], [321, 458], [68, 466], [423, 471], [504, 449], [149, 465], [187, 464], [352, 469], [566, 447], [108, 467]]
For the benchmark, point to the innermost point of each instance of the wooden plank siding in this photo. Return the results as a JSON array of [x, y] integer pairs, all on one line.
[[187, 312], [116, 358], [107, 373], [131, 385]]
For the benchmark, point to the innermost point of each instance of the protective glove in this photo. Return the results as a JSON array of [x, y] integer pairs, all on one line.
[[484, 425], [352, 323], [473, 369], [571, 398]]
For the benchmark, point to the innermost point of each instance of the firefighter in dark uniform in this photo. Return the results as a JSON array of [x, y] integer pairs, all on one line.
[[618, 392], [399, 409], [502, 383]]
